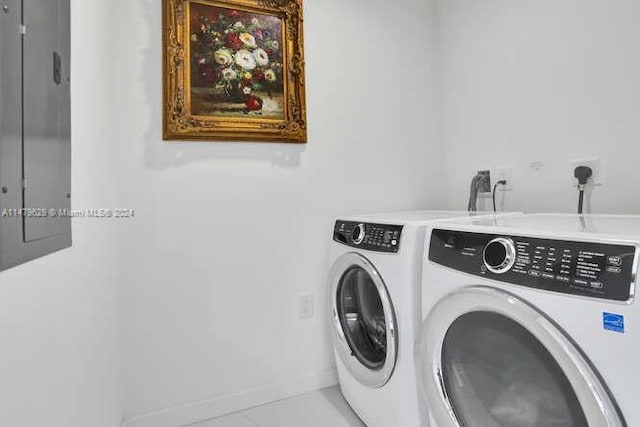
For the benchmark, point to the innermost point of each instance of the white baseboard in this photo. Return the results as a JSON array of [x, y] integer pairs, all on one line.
[[224, 405]]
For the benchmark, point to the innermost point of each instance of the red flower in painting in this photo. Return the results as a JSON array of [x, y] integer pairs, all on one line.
[[234, 42], [254, 103], [258, 75], [208, 73]]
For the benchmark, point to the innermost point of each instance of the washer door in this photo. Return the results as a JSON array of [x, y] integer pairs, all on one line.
[[365, 335], [487, 358]]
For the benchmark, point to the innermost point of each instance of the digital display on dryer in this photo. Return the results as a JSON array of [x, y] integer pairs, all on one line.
[[595, 270]]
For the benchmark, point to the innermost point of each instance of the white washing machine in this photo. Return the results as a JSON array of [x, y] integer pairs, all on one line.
[[531, 321], [374, 298]]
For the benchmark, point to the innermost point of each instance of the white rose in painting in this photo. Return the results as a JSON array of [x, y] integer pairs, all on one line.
[[246, 90], [255, 21], [223, 57], [238, 25], [275, 44], [261, 57], [248, 39], [245, 59], [270, 75], [229, 74]]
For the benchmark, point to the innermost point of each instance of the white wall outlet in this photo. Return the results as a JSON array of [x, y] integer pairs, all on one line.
[[597, 179], [504, 174], [305, 306]]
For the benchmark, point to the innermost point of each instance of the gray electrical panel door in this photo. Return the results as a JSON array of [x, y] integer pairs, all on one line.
[[47, 132], [35, 129], [11, 230]]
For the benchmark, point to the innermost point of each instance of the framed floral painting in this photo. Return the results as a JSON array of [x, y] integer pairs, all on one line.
[[234, 70]]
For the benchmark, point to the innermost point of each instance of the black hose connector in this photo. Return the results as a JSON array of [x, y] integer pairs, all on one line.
[[582, 174]]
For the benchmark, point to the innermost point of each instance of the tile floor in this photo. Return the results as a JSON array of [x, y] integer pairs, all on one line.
[[324, 408]]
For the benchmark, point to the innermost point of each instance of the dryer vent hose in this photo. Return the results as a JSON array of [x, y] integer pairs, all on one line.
[[477, 182]]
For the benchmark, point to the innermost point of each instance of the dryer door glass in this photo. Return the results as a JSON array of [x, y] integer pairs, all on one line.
[[362, 317], [498, 374]]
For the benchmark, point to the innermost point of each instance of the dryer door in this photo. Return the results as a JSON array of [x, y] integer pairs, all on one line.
[[365, 335], [488, 358]]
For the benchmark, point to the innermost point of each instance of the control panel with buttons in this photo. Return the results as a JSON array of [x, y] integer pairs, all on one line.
[[367, 236], [598, 270]]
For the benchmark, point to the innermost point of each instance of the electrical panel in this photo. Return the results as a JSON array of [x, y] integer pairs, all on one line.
[[35, 129]]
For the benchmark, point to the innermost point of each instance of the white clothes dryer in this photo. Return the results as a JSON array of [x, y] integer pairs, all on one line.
[[531, 321]]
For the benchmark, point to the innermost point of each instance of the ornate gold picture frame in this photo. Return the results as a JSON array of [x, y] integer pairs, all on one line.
[[234, 70]]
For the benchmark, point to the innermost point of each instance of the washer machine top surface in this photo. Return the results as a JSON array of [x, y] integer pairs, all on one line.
[[625, 227], [420, 217]]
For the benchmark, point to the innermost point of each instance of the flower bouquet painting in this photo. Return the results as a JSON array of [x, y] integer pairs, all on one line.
[[236, 63], [234, 70]]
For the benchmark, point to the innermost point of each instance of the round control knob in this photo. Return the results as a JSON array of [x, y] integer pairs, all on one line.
[[358, 233], [499, 255]]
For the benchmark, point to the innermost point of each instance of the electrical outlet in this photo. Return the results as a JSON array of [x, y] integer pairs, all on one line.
[[305, 306], [486, 185], [504, 174], [597, 179]]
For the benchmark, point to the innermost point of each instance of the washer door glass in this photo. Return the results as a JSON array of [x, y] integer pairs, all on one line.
[[497, 374], [362, 317]]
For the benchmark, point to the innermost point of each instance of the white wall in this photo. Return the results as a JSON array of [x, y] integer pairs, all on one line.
[[59, 345], [227, 235], [542, 81]]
